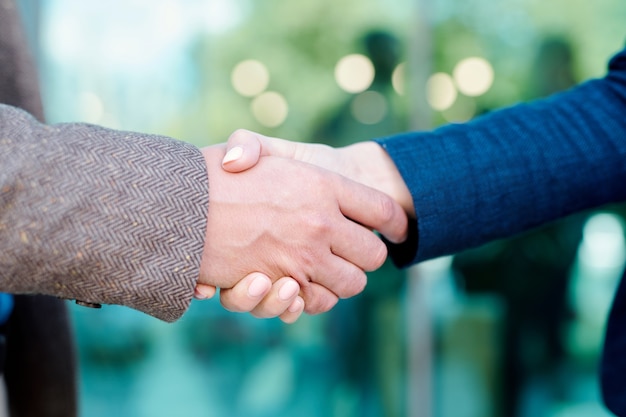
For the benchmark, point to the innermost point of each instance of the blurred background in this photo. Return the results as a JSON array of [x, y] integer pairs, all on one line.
[[512, 329]]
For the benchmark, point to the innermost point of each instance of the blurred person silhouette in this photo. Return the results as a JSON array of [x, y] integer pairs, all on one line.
[[531, 271], [501, 174]]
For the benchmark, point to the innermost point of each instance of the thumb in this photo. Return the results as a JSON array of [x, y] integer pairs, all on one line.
[[243, 151], [244, 148], [204, 291]]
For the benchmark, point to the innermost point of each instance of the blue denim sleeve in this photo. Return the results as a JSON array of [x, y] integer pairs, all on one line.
[[514, 169]]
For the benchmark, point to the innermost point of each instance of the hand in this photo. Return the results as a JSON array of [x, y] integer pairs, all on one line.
[[364, 162], [290, 219], [257, 295]]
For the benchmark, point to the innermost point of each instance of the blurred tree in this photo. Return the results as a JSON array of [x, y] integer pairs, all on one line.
[[300, 44]]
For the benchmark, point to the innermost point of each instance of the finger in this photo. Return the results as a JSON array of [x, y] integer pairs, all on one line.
[[204, 291], [317, 298], [373, 209], [283, 293], [294, 311], [340, 276], [243, 151], [246, 294], [337, 276], [358, 245], [244, 148]]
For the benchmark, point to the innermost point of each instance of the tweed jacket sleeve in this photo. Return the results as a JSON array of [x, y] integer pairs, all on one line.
[[99, 215], [514, 169]]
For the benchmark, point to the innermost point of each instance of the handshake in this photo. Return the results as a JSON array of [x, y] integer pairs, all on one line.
[[297, 222]]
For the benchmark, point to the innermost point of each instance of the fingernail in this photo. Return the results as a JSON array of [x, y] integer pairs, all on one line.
[[258, 287], [288, 290], [232, 155], [198, 295], [296, 306]]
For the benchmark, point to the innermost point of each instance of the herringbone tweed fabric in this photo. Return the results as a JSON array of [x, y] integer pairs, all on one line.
[[39, 361], [100, 215]]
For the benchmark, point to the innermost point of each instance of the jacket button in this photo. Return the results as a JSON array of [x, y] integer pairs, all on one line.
[[87, 304]]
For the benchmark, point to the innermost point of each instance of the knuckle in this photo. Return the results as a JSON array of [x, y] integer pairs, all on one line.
[[239, 134], [353, 283], [386, 209], [319, 224], [318, 299], [319, 186], [379, 256], [317, 180], [321, 304]]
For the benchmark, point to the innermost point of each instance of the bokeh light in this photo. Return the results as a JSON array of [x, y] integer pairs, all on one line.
[[270, 109], [250, 78], [473, 76], [440, 91], [398, 79], [369, 107], [603, 244], [596, 274], [354, 73]]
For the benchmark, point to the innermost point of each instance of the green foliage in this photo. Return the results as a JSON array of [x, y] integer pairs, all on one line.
[[300, 43]]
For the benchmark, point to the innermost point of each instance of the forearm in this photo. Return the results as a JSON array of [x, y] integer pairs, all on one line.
[[99, 215], [516, 168]]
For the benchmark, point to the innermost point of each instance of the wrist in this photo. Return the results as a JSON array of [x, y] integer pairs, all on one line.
[[212, 156], [373, 166]]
